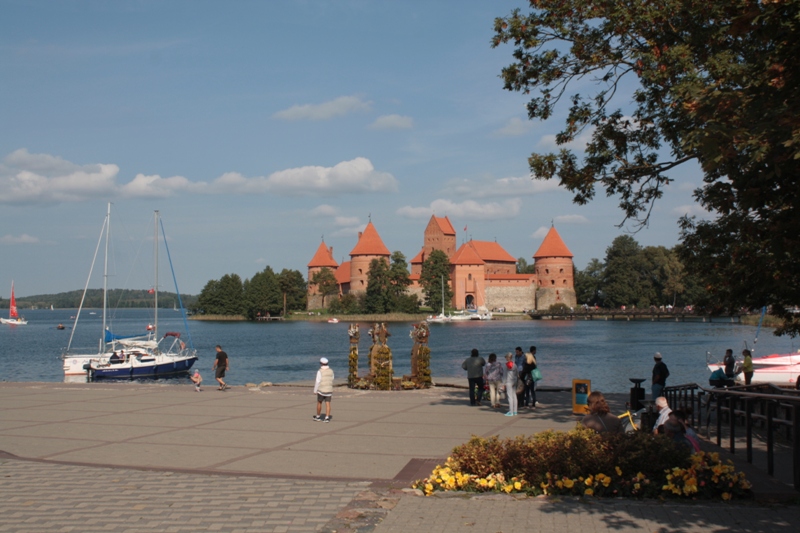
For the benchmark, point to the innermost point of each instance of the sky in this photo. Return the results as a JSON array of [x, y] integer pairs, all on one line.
[[256, 129]]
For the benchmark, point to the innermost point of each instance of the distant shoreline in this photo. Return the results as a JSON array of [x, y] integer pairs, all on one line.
[[388, 317]]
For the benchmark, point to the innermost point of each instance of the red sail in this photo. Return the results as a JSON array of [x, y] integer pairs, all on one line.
[[13, 310]]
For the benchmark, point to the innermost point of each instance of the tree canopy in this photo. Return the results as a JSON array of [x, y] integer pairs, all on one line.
[[434, 279], [716, 84]]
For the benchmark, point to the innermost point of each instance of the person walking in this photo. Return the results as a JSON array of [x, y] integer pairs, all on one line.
[[493, 376], [474, 366], [660, 375], [221, 365], [323, 388], [510, 379]]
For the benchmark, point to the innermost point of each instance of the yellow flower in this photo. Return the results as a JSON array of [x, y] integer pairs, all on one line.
[[637, 486], [589, 480], [726, 496], [508, 488], [589, 492], [606, 481], [560, 484], [619, 470], [428, 488], [569, 483], [518, 485]]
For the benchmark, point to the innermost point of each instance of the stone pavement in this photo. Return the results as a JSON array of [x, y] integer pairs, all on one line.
[[135, 457]]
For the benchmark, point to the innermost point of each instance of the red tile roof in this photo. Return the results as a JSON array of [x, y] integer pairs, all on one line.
[[418, 257], [343, 273], [323, 257], [552, 246], [491, 252], [370, 243], [466, 255], [445, 225]]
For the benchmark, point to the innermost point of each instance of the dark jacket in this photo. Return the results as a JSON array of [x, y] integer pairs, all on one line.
[[474, 366], [660, 373]]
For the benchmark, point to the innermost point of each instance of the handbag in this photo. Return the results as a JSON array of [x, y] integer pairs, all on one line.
[[520, 386], [536, 374]]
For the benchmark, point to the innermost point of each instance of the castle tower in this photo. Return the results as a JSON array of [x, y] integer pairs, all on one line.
[[439, 235], [467, 275], [554, 272], [323, 258], [369, 247]]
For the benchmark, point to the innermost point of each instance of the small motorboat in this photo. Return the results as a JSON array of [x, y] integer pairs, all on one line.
[[333, 320], [60, 326], [149, 327], [782, 370]]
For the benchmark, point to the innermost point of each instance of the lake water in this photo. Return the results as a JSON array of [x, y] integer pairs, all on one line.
[[607, 352]]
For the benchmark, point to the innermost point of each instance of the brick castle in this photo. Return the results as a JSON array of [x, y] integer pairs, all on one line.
[[482, 274]]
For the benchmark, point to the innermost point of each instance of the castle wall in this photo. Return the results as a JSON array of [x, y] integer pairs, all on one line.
[[545, 297], [513, 297]]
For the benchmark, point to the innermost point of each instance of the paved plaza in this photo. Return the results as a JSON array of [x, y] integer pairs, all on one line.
[[133, 457]]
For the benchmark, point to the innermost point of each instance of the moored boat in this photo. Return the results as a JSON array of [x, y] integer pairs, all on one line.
[[782, 370]]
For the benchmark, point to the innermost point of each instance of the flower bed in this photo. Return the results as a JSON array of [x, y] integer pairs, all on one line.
[[582, 463]]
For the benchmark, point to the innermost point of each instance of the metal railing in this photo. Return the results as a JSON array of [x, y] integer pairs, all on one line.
[[775, 410]]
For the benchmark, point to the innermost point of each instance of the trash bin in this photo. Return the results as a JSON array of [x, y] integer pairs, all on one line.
[[637, 394]]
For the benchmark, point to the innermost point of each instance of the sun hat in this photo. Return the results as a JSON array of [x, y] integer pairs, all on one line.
[[657, 356], [323, 361]]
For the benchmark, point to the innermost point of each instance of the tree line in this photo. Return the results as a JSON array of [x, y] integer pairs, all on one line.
[[632, 275], [117, 298], [265, 294]]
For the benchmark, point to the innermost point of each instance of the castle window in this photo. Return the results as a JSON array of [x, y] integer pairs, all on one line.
[[546, 270], [565, 282], [469, 277], [552, 282], [360, 272], [560, 270]]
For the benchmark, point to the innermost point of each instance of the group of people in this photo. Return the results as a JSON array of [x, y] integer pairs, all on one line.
[[517, 377], [725, 376]]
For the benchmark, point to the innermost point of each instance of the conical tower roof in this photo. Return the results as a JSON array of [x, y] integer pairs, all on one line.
[[552, 246], [370, 243], [323, 257]]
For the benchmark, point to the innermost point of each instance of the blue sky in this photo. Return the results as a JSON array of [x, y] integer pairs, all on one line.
[[255, 128]]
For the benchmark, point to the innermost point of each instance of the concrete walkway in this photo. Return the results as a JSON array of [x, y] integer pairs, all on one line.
[[133, 457]]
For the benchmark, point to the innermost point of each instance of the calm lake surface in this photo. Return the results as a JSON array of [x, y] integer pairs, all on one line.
[[606, 352]]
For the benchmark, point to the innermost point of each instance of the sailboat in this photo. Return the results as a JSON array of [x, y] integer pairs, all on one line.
[[150, 357], [13, 316], [76, 364], [441, 318]]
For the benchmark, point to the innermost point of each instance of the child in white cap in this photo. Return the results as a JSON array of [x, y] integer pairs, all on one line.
[[197, 379], [323, 388]]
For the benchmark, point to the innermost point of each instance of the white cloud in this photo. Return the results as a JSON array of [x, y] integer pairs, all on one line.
[[392, 122], [513, 128], [691, 210], [157, 187], [355, 176], [512, 186], [323, 210], [469, 209], [325, 111], [22, 239], [346, 221], [42, 178], [548, 142], [540, 233], [348, 232], [571, 219]]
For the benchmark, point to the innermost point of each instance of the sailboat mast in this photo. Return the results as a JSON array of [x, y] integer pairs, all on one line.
[[105, 280], [155, 255]]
